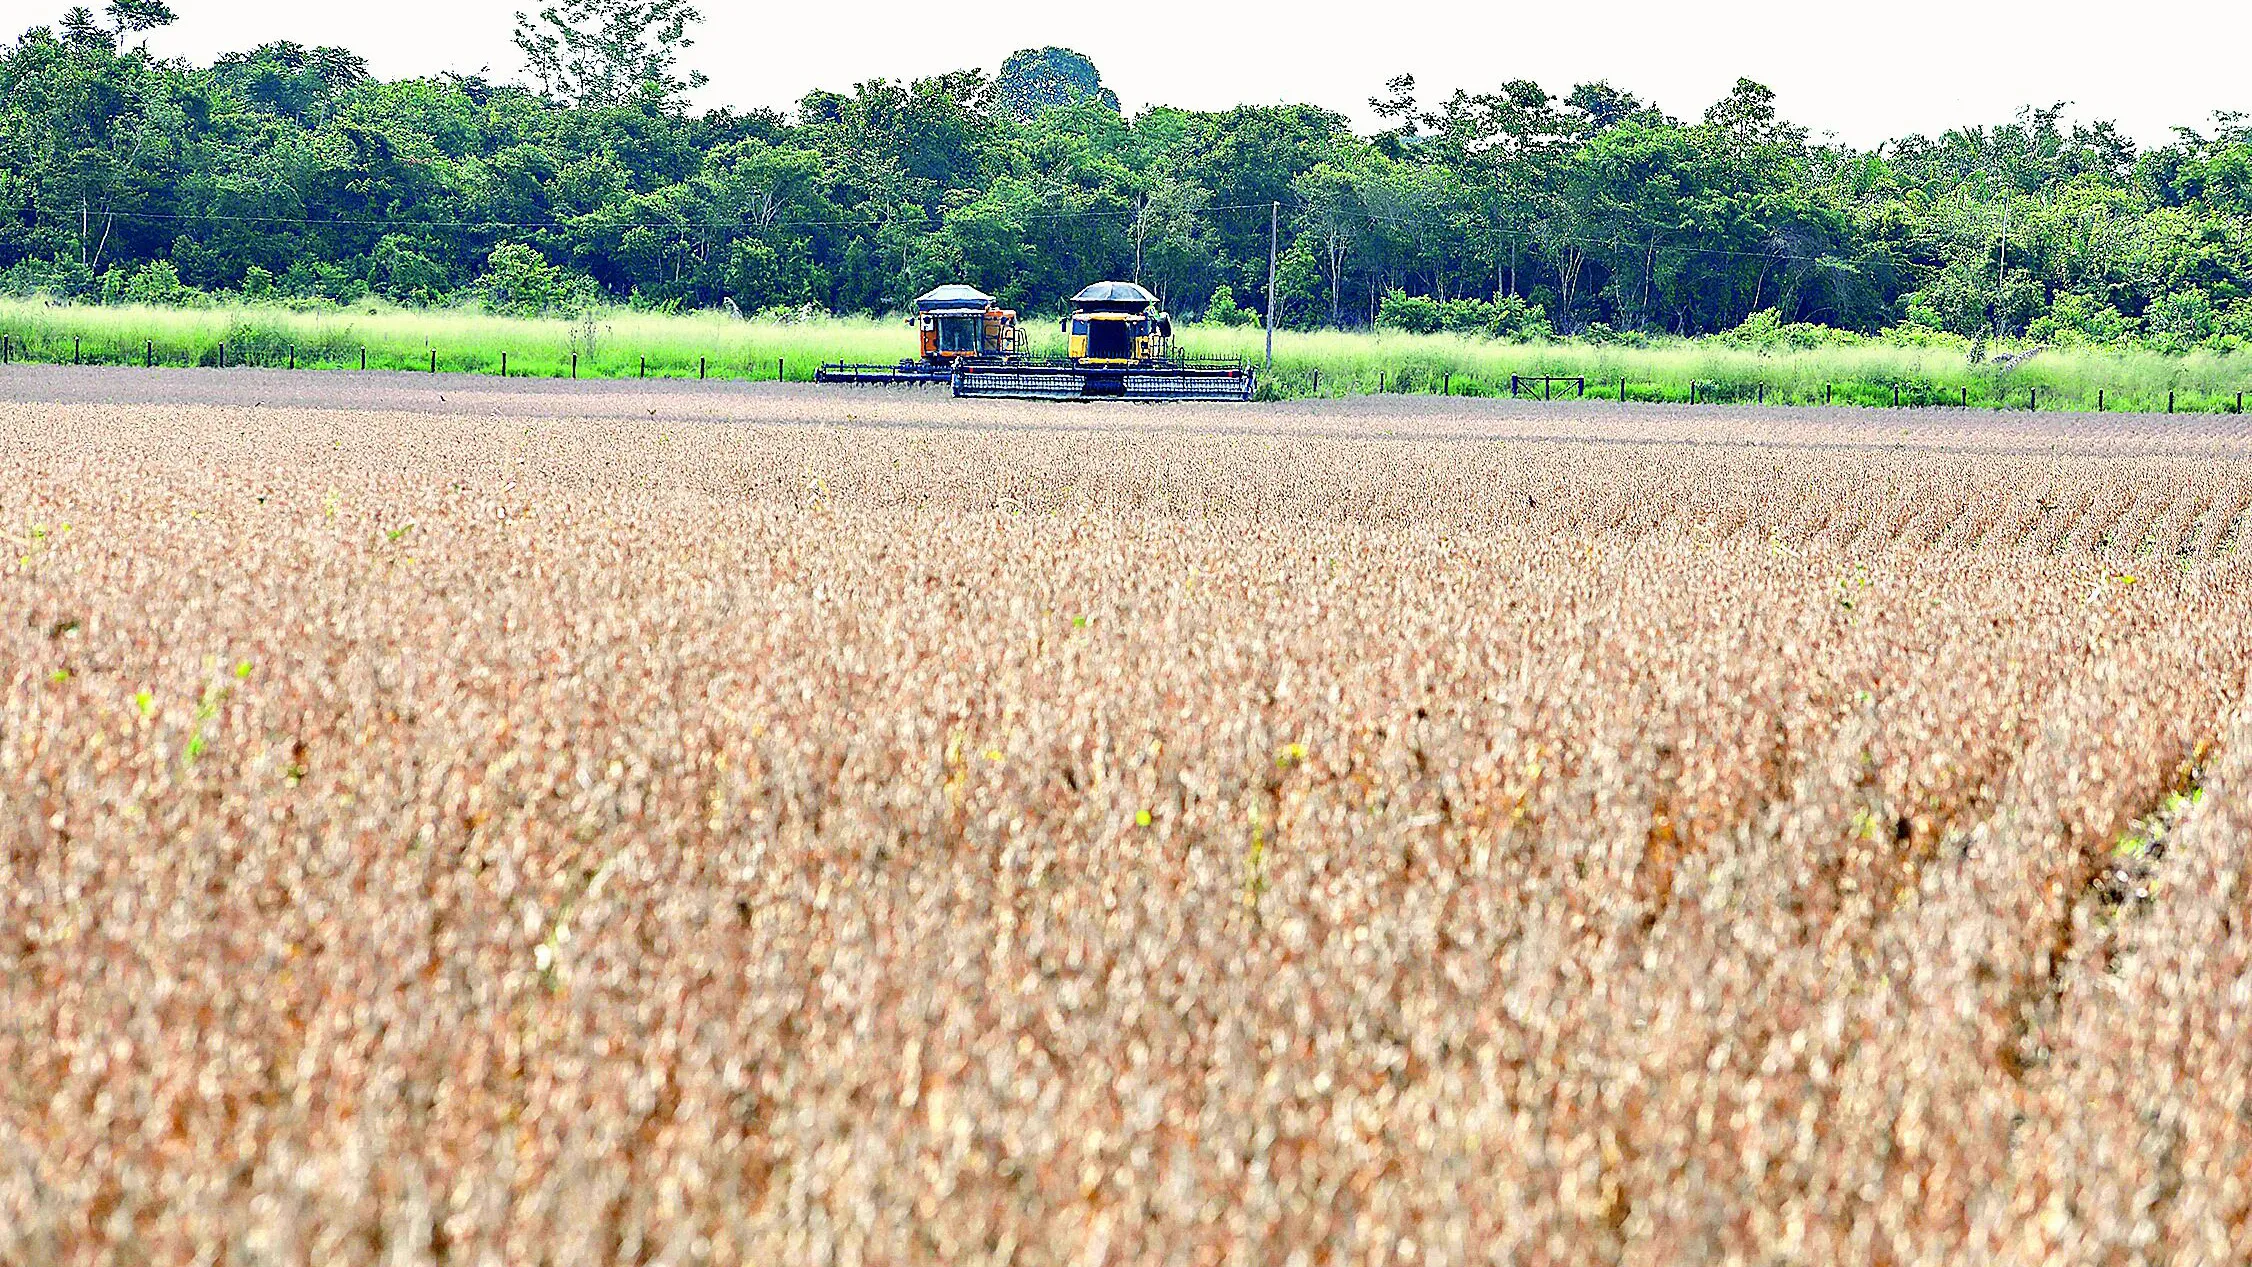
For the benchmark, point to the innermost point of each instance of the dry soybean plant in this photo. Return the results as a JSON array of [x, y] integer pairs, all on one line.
[[1122, 835]]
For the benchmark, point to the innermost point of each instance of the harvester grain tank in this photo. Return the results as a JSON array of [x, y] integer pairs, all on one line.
[[953, 323], [1117, 345]]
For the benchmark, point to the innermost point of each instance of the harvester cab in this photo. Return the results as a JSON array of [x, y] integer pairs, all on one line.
[[1117, 344], [962, 322], [1116, 323], [953, 323]]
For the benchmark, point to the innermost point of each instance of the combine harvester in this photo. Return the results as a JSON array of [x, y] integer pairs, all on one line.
[[1121, 347], [956, 324]]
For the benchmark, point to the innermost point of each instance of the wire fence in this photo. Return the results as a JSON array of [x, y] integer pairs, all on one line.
[[1280, 382]]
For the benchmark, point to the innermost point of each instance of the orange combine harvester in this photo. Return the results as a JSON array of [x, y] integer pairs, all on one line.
[[954, 323]]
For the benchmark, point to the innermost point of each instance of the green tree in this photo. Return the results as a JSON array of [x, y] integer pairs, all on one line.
[[1032, 80], [132, 17], [610, 52], [520, 282]]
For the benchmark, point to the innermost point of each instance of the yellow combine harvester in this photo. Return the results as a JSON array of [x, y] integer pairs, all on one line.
[[1119, 346]]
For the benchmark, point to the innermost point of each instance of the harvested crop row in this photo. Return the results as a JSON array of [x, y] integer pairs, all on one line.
[[450, 836]]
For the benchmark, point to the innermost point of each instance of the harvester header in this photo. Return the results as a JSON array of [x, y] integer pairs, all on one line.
[[1117, 344]]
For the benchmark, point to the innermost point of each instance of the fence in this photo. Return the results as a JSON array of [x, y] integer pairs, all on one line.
[[1281, 384], [149, 354]]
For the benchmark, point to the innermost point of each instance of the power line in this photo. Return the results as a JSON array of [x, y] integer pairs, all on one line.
[[1517, 233], [1535, 235], [583, 225]]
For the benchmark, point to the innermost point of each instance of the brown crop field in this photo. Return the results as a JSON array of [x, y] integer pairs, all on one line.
[[445, 820]]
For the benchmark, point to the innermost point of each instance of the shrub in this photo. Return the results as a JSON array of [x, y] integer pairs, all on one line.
[[1508, 317], [2181, 320], [519, 281], [156, 282], [1224, 311], [2074, 319], [58, 279], [1767, 330], [323, 280], [1411, 314], [400, 272]]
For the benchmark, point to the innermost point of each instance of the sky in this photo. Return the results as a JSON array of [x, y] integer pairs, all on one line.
[[1861, 72]]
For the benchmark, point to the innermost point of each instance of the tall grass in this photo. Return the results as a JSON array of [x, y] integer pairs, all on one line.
[[613, 344], [622, 344], [1333, 363]]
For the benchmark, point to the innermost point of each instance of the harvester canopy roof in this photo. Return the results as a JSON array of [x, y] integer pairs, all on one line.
[[1115, 296], [954, 298]]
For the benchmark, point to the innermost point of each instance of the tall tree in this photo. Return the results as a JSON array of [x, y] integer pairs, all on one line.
[[1037, 79], [611, 52], [131, 17]]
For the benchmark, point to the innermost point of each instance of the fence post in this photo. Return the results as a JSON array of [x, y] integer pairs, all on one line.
[[1692, 391], [778, 369], [1513, 387], [574, 365], [2099, 400], [699, 368], [293, 356], [363, 356], [148, 354], [222, 356], [3, 349], [2032, 399], [645, 367], [504, 365], [433, 360], [2169, 400], [1446, 383], [1762, 389], [1317, 380], [1896, 395], [1380, 383]]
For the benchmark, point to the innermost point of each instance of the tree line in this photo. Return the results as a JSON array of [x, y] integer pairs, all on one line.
[[292, 173]]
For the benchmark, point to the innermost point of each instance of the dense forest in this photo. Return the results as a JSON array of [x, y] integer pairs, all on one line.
[[292, 174]]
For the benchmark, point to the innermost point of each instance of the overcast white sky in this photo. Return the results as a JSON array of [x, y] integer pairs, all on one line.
[[1863, 71]]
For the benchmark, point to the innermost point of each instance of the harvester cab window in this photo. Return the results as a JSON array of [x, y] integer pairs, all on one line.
[[958, 334], [1110, 340]]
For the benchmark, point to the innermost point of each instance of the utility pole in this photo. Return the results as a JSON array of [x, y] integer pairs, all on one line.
[[1274, 225], [2002, 272], [1141, 211]]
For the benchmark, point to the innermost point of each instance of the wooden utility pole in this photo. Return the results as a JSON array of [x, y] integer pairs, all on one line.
[[2002, 270], [1141, 215], [1274, 226]]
